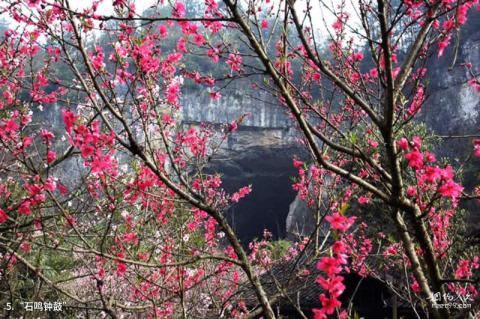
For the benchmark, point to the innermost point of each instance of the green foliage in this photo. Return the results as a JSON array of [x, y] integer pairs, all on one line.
[[279, 248]]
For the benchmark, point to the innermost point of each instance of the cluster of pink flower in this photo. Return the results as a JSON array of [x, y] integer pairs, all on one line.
[[260, 254], [332, 266], [194, 140], [417, 101], [17, 145], [465, 269], [476, 147], [241, 193], [453, 22], [97, 59], [474, 83], [95, 147], [235, 61], [429, 177]]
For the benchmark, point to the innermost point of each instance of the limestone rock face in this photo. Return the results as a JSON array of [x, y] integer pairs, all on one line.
[[238, 99], [453, 107], [300, 221]]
